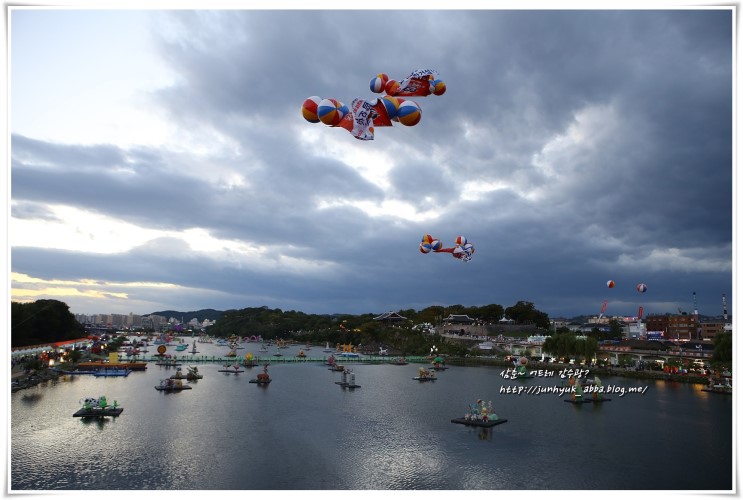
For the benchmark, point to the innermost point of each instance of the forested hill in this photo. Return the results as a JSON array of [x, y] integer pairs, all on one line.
[[41, 322], [200, 315]]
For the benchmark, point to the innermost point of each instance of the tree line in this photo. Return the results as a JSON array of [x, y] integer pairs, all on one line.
[[42, 322]]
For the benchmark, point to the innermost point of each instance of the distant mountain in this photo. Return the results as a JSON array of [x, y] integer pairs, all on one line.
[[200, 315]]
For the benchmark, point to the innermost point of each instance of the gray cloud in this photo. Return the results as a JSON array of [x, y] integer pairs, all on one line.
[[603, 137]]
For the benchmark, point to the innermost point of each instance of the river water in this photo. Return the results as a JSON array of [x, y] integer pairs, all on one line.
[[304, 432]]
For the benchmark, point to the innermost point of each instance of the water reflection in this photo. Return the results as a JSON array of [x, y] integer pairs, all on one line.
[[393, 434], [97, 422], [32, 398]]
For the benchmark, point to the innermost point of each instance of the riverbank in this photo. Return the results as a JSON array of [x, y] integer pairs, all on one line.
[[21, 380], [593, 370]]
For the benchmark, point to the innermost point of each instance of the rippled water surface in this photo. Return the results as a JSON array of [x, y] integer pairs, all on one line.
[[304, 432]]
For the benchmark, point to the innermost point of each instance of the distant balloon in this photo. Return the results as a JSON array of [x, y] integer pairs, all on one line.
[[642, 288], [610, 284]]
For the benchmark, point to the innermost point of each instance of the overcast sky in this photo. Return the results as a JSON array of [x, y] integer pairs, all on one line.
[[159, 160]]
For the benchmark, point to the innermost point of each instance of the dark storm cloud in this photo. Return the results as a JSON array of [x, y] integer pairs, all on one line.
[[603, 139]]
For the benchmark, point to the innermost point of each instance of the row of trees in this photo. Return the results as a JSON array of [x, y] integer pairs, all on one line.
[[569, 345], [272, 323]]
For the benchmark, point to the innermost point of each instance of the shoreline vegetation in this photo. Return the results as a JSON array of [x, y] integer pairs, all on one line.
[[21, 380]]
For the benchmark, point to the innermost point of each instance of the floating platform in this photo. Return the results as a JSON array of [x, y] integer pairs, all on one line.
[[260, 382], [173, 389], [98, 412], [425, 379], [347, 385], [231, 371], [719, 390], [479, 423], [112, 373], [587, 400], [99, 365], [75, 372], [440, 368]]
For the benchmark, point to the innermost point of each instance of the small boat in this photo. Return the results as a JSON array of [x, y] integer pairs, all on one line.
[[348, 380], [479, 423], [179, 375], [301, 354], [262, 378], [232, 369], [193, 373], [425, 375], [439, 364], [231, 354], [98, 408], [480, 415], [181, 347], [399, 361], [171, 385]]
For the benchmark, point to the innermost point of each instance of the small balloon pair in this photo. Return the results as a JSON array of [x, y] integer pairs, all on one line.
[[463, 249], [641, 287]]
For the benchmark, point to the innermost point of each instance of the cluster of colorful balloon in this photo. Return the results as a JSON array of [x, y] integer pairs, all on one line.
[[419, 83], [462, 250], [363, 115], [384, 111]]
